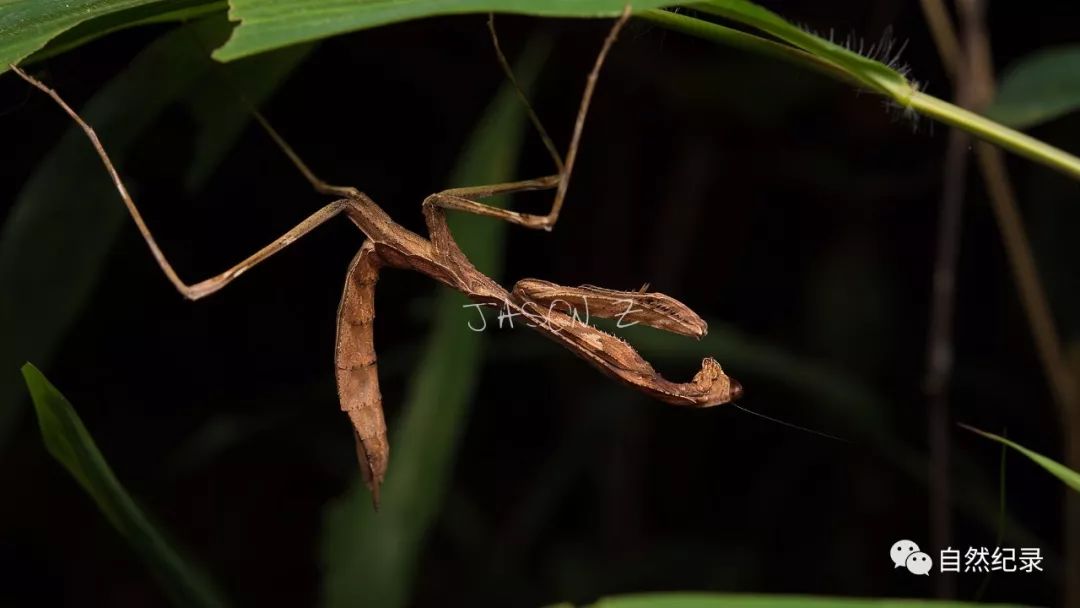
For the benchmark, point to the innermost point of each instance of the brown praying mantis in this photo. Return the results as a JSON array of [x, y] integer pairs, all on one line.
[[388, 244]]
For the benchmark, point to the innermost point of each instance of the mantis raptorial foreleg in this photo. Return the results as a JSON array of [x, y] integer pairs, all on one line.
[[628, 307]]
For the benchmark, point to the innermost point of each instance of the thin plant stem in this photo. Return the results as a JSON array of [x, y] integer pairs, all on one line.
[[940, 342], [944, 34], [990, 131], [940, 346]]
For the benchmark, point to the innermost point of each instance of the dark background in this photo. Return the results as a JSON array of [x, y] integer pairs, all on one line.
[[786, 206]]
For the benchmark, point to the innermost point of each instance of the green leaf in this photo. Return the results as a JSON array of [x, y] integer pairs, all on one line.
[[370, 558], [27, 25], [1040, 87], [268, 24], [1055, 468], [71, 444], [707, 600], [160, 11], [63, 223]]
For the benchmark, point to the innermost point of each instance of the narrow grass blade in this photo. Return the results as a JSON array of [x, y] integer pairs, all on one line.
[[1038, 88], [1055, 468], [58, 233], [370, 558], [71, 444]]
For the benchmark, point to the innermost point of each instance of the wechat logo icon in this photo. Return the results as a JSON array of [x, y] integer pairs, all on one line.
[[906, 554]]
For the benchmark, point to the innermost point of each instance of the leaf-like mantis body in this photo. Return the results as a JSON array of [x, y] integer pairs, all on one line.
[[356, 367]]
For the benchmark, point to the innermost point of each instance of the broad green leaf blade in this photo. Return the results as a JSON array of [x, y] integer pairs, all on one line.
[[27, 25], [160, 11], [269, 24], [707, 600], [1040, 87], [370, 558], [71, 444], [60, 229], [1055, 468]]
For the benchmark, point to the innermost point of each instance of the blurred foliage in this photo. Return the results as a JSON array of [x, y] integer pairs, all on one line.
[[71, 444], [702, 600], [1040, 87]]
